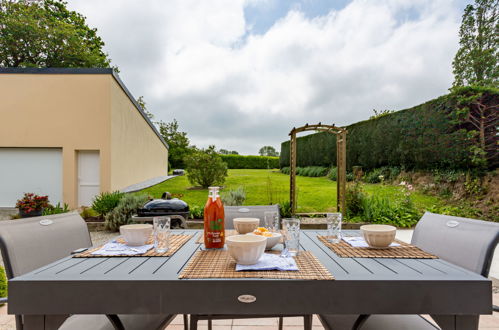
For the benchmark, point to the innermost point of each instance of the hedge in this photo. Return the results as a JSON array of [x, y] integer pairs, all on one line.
[[426, 136], [253, 162]]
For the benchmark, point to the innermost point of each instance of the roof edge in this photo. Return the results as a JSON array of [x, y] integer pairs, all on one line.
[[88, 71]]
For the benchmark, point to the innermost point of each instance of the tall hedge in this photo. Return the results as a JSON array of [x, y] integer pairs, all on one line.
[[254, 162], [425, 136]]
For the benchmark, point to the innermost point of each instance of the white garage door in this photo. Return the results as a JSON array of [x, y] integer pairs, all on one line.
[[36, 170]]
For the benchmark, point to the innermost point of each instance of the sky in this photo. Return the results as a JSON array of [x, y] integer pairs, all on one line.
[[240, 74]]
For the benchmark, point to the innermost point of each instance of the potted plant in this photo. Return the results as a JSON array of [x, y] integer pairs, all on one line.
[[31, 205]]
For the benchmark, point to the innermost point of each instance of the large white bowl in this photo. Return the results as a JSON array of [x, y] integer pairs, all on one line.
[[378, 236], [245, 225], [246, 249], [271, 241], [136, 235]]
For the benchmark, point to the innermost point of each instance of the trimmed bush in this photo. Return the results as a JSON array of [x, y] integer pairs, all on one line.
[[427, 136], [311, 171], [250, 162]]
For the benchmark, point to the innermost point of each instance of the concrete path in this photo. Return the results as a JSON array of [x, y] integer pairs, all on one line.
[[147, 183]]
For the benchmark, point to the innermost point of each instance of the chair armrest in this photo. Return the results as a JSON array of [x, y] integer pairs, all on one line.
[[4, 300]]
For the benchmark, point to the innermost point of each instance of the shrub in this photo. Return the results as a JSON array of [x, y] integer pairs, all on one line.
[[234, 197], [381, 210], [373, 176], [286, 170], [285, 209], [3, 283], [205, 168], [354, 198], [32, 202], [106, 202], [122, 213], [88, 212], [196, 212], [311, 171], [51, 209], [333, 173], [251, 162]]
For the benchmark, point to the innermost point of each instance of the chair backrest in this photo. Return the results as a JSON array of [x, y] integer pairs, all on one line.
[[30, 243], [465, 242], [248, 211]]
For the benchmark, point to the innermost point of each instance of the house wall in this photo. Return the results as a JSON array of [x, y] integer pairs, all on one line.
[[71, 112], [137, 154]]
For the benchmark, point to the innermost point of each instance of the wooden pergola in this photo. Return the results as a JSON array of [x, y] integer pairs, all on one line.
[[341, 162]]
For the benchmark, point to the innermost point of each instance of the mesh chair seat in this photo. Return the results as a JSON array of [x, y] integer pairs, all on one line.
[[250, 211], [465, 242]]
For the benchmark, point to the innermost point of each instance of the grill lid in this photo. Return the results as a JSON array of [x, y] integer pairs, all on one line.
[[173, 205]]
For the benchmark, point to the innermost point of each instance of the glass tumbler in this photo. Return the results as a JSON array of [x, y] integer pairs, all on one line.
[[161, 234], [334, 227], [291, 231], [271, 220]]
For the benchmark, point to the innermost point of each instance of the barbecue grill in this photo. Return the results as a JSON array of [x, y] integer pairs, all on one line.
[[175, 208]]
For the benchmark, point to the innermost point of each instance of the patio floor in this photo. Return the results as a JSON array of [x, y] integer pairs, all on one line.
[[290, 323]]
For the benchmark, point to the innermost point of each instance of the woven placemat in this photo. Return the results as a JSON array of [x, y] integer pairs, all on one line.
[[405, 251], [228, 232], [176, 242], [219, 264]]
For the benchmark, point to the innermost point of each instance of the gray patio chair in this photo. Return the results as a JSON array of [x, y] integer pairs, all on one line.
[[246, 211], [465, 242], [250, 211], [28, 244]]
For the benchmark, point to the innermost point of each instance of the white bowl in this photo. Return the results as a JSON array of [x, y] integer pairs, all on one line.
[[245, 225], [136, 235], [246, 249], [378, 236], [271, 241]]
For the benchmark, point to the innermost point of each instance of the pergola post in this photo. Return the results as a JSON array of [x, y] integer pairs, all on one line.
[[292, 187]]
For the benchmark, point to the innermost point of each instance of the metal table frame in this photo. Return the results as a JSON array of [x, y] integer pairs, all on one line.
[[140, 285]]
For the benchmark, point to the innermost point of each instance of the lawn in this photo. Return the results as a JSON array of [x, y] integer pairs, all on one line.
[[265, 187]]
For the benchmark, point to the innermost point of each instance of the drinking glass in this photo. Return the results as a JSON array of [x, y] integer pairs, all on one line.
[[271, 220], [161, 234], [291, 231], [334, 227]]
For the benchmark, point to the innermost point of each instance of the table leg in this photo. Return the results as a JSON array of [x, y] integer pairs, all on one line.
[[34, 322], [43, 322], [457, 322]]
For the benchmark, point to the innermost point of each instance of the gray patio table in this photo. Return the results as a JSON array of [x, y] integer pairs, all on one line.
[[138, 285]]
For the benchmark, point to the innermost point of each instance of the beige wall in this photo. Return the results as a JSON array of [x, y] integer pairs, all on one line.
[[137, 154], [74, 111], [52, 110]]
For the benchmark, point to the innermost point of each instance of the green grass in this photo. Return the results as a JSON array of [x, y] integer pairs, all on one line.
[[265, 187]]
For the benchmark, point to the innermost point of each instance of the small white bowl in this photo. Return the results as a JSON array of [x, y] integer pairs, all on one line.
[[246, 225], [378, 236], [246, 249], [271, 241], [136, 235]]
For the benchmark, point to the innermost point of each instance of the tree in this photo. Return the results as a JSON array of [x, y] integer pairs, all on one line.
[[46, 34], [205, 168], [227, 152], [475, 63], [268, 151], [177, 141], [142, 104]]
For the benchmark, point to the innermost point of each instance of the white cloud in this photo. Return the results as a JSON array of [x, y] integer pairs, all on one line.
[[199, 62]]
